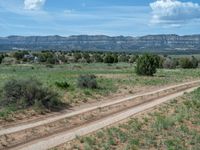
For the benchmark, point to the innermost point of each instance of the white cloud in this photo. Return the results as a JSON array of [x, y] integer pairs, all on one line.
[[174, 12], [33, 4]]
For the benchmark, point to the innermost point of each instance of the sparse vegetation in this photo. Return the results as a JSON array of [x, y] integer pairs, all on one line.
[[59, 72], [174, 125], [61, 57], [28, 83]]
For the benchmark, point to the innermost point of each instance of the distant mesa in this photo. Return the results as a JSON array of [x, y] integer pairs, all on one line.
[[102, 43]]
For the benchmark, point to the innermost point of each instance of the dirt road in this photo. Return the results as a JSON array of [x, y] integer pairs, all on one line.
[[56, 130], [55, 140]]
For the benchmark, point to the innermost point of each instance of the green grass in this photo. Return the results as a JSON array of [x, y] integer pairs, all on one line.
[[173, 126], [110, 79], [70, 72]]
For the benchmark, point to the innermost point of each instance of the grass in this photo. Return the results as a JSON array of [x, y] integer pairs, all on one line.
[[172, 126], [110, 78]]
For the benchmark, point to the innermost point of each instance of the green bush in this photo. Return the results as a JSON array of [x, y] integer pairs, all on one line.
[[25, 93], [109, 59], [194, 62], [1, 58], [186, 63], [52, 60], [146, 65], [62, 85], [77, 56], [87, 81], [97, 58], [19, 55], [86, 56], [158, 61]]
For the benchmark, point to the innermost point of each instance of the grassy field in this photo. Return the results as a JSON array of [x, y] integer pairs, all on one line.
[[110, 77], [116, 78], [173, 126]]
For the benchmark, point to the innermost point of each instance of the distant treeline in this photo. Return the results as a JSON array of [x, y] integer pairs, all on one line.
[[62, 57], [134, 51]]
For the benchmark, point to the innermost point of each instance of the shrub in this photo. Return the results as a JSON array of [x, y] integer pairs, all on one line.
[[123, 58], [186, 63], [1, 58], [194, 62], [42, 57], [109, 59], [86, 56], [52, 60], [146, 65], [9, 61], [62, 85], [115, 58], [20, 54], [87, 81], [77, 56], [158, 61], [169, 64], [133, 59], [25, 93], [97, 58]]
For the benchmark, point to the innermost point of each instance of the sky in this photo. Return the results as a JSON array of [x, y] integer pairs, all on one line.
[[99, 17]]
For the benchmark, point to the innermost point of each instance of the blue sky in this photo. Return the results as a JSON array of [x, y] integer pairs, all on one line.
[[108, 17]]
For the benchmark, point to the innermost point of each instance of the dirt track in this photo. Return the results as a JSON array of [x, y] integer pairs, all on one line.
[[115, 111]]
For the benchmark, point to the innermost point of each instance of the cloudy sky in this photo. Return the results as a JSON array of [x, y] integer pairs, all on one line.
[[109, 17]]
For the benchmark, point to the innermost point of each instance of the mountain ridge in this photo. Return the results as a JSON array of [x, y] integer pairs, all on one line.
[[164, 42]]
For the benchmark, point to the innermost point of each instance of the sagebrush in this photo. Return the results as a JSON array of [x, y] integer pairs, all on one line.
[[24, 93], [87, 81]]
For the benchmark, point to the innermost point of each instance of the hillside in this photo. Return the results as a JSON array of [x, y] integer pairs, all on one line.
[[102, 42]]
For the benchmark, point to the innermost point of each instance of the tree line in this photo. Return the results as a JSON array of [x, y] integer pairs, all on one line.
[[60, 57]]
